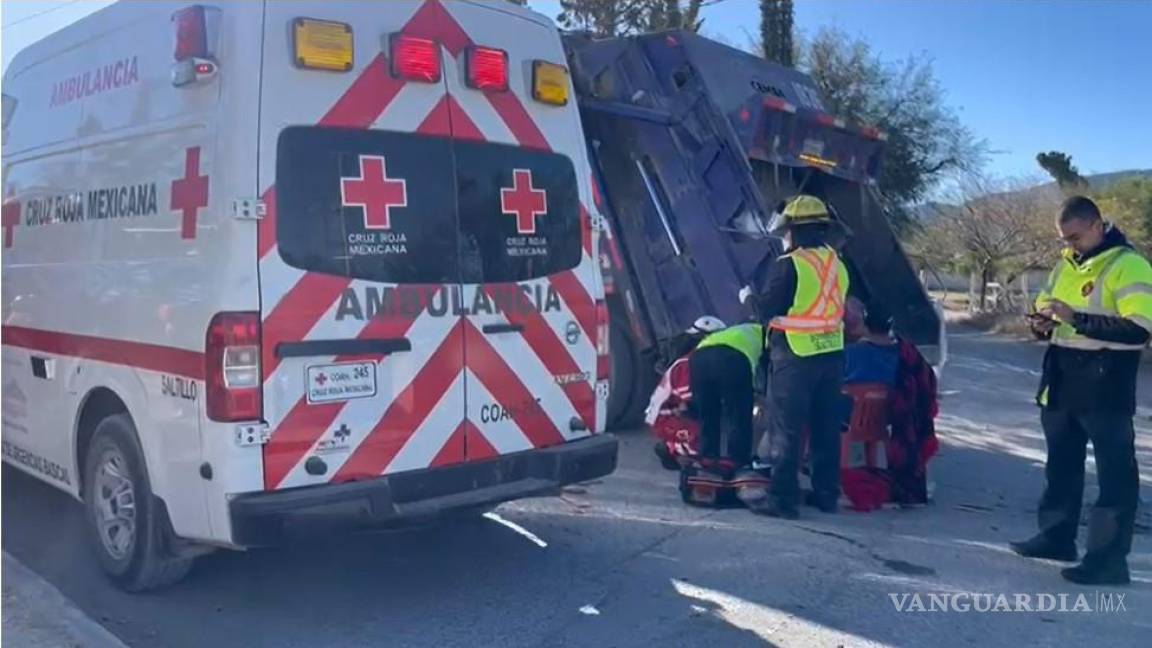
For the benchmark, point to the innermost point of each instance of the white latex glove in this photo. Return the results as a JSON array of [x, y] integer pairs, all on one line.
[[745, 294]]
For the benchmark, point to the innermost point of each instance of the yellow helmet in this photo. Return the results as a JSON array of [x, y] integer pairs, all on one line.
[[801, 210]]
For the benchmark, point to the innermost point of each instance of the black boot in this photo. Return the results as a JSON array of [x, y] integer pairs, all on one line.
[[1115, 573], [1040, 546], [772, 507], [1109, 541]]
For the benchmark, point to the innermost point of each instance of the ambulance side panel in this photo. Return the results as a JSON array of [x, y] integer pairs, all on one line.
[[126, 246]]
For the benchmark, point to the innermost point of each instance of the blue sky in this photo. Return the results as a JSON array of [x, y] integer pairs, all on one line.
[[1071, 75]]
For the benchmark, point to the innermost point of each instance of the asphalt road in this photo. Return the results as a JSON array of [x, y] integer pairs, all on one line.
[[623, 563]]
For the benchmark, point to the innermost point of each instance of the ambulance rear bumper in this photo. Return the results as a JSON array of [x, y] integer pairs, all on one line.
[[420, 495]]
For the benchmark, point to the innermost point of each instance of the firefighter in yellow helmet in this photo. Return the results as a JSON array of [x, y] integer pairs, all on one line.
[[802, 304], [1097, 313]]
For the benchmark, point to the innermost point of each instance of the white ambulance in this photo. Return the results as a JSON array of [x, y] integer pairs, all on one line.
[[272, 263]]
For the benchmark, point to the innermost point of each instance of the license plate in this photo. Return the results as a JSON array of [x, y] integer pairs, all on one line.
[[341, 382]]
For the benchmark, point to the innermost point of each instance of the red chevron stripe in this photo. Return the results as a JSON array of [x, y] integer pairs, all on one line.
[[297, 312], [552, 353], [453, 450], [305, 423], [407, 412], [462, 125], [512, 112], [448, 119], [476, 445], [433, 21], [437, 122], [579, 301], [505, 386]]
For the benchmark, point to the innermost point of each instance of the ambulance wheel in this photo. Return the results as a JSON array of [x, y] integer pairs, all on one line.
[[124, 519]]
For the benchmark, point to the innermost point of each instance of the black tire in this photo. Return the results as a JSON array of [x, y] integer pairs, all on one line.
[[632, 379], [622, 362], [135, 555]]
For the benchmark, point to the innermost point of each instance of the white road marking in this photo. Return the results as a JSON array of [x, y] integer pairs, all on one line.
[[517, 528]]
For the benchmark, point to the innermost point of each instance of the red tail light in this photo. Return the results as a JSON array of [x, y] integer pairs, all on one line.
[[415, 59], [191, 33], [487, 68], [603, 364], [232, 368]]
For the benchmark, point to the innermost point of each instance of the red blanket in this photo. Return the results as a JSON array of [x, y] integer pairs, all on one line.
[[912, 411]]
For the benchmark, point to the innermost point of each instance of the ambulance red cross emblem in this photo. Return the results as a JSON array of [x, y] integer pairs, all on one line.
[[190, 193], [523, 201], [374, 192]]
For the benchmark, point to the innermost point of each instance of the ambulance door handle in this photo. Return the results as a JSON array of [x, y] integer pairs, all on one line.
[[44, 368], [492, 329], [351, 347]]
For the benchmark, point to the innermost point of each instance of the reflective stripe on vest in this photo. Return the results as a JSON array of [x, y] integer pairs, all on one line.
[[826, 314], [1084, 288], [745, 338], [814, 324]]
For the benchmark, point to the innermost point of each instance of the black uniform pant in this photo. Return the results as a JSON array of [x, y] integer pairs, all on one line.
[[1113, 516], [721, 381], [805, 392]]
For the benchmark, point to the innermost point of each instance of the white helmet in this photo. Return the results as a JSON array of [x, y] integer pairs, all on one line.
[[706, 324]]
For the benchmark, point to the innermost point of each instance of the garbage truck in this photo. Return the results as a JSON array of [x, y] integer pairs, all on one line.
[[692, 144]]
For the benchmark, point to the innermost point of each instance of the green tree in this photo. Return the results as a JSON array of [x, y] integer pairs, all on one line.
[[926, 140], [776, 25], [993, 227], [607, 18], [1059, 166], [1128, 204]]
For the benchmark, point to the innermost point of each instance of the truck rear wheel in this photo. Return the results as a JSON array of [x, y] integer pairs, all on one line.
[[124, 520], [632, 379]]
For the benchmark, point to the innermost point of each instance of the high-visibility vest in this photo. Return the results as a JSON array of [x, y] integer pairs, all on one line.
[[815, 323], [1117, 282], [745, 338]]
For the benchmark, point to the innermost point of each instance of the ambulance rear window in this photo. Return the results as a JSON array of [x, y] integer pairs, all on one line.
[[519, 212], [367, 204], [380, 206]]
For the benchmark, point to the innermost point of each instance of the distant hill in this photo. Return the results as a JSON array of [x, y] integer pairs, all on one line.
[[927, 210], [1101, 180]]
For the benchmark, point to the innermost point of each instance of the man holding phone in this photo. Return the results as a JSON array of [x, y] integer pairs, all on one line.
[[1097, 313]]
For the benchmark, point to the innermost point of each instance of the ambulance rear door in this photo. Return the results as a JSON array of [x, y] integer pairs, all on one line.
[[363, 338], [527, 262]]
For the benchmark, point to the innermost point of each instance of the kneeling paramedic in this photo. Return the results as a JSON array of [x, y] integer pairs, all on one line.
[[803, 304], [670, 414], [721, 373], [1097, 313]]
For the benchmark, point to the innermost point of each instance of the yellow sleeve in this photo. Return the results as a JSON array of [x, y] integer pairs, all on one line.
[[1133, 290], [1045, 295]]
